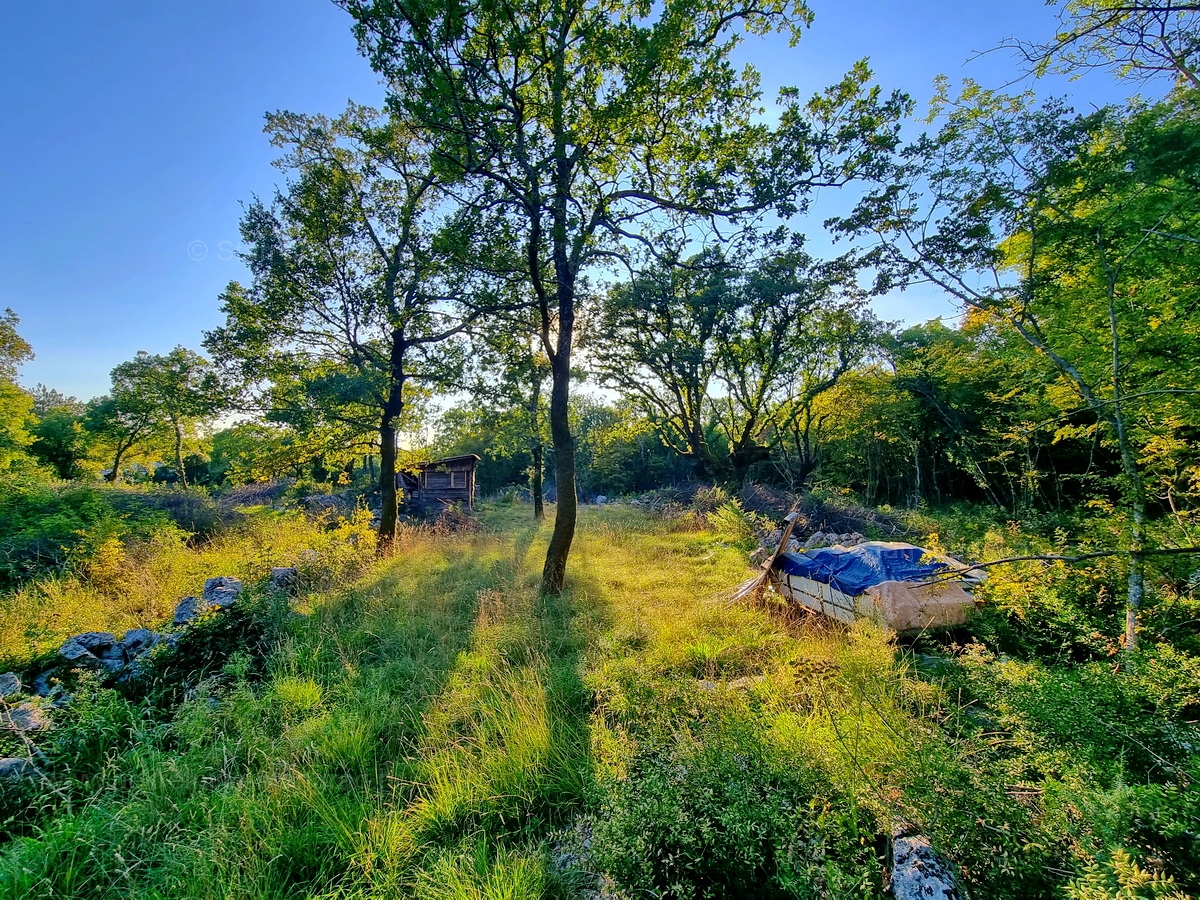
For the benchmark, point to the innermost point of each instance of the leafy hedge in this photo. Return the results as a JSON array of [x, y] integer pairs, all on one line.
[[48, 527]]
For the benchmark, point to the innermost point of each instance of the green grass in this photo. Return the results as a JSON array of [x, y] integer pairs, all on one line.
[[436, 728], [137, 585]]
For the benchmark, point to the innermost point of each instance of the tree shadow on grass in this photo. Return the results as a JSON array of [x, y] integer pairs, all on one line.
[[429, 647]]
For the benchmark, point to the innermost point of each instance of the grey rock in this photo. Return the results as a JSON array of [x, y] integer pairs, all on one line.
[[138, 641], [112, 654], [601, 500], [27, 717], [42, 687], [188, 608], [285, 578], [15, 769], [10, 683], [93, 650], [918, 872], [221, 591]]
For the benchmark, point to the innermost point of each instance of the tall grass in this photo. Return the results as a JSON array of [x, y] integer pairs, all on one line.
[[138, 586], [436, 728]]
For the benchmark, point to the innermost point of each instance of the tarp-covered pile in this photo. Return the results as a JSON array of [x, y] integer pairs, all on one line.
[[902, 586]]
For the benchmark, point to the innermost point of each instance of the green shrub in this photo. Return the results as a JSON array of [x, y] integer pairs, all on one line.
[[242, 635], [716, 816], [42, 526], [48, 528]]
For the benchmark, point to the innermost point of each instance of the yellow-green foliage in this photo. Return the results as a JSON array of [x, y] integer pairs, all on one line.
[[138, 587], [434, 724]]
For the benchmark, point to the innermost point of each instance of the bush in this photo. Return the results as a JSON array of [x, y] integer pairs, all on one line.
[[47, 528], [242, 635], [717, 816], [43, 526]]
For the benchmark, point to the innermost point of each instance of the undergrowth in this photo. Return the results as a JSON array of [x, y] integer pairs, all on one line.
[[437, 728]]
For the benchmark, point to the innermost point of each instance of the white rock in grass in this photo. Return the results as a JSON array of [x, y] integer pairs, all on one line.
[[918, 872]]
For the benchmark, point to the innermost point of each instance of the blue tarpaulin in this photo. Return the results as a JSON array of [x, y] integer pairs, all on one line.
[[852, 570]]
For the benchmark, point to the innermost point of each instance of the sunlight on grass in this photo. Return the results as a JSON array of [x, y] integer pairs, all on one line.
[[435, 727]]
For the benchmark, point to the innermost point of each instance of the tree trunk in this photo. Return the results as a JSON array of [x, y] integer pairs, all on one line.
[[116, 467], [554, 572], [389, 509], [1135, 495], [705, 465], [179, 455], [393, 406], [1135, 491], [535, 484]]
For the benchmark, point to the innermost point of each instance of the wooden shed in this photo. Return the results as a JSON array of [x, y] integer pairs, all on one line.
[[441, 482]]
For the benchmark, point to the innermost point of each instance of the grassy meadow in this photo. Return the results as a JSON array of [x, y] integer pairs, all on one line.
[[433, 727]]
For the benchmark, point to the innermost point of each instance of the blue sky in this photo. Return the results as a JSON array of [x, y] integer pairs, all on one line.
[[131, 132]]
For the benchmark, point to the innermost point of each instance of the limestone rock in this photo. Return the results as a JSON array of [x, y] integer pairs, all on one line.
[[285, 578], [43, 688], [918, 872], [16, 769], [10, 683], [138, 641], [189, 608], [96, 650], [221, 591], [26, 717]]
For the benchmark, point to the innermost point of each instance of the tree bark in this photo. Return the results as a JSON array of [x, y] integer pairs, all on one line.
[[179, 455], [389, 507], [535, 484], [554, 572], [1135, 491], [116, 467]]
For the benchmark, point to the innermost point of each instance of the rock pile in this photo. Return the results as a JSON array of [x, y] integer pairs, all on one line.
[[113, 659], [829, 539], [117, 659]]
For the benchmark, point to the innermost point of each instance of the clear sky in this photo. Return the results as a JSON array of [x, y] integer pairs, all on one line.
[[131, 132]]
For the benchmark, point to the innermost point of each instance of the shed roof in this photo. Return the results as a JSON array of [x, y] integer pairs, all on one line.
[[449, 460]]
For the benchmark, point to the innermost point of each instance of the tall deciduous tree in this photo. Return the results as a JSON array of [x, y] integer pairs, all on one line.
[[745, 350], [354, 296], [120, 421], [585, 120], [15, 403], [1078, 232], [657, 338], [173, 391]]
